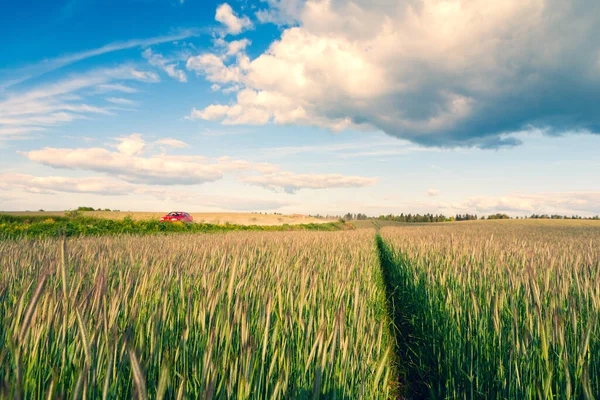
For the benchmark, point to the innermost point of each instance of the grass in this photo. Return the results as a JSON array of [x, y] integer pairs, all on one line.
[[497, 309], [481, 309], [12, 226], [235, 315]]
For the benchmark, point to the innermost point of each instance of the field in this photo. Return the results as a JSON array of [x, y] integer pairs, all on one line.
[[208, 218], [501, 309], [238, 315], [482, 309]]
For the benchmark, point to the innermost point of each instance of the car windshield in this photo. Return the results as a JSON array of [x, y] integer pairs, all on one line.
[[174, 214]]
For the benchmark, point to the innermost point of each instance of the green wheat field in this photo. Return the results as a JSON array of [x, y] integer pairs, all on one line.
[[486, 309]]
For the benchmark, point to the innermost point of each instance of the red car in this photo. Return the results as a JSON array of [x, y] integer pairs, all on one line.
[[174, 216]]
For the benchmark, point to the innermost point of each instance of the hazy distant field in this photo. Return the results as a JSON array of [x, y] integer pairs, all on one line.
[[210, 218]]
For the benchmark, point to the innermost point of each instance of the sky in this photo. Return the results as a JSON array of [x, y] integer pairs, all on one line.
[[301, 106]]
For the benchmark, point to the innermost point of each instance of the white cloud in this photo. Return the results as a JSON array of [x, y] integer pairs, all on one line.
[[286, 93], [232, 89], [121, 101], [135, 162], [131, 145], [131, 164], [433, 192], [431, 71], [237, 46], [156, 169], [61, 102], [213, 112], [291, 182], [260, 107], [170, 67], [114, 87], [144, 76], [178, 144], [234, 24], [215, 70]]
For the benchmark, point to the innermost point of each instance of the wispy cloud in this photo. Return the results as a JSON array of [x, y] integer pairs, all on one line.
[[364, 147], [178, 144], [168, 66], [290, 182], [48, 65], [114, 87], [61, 102], [121, 101]]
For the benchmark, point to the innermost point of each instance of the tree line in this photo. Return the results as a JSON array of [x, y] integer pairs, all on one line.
[[421, 218]]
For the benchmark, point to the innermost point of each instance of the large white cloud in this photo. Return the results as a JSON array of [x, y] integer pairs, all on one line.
[[436, 72]]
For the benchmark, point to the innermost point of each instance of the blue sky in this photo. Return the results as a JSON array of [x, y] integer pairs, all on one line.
[[301, 106]]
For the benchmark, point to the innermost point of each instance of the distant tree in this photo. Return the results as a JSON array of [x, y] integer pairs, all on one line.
[[498, 216], [415, 218], [466, 217]]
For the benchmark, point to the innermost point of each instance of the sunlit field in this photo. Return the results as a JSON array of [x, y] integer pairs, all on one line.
[[237, 315], [503, 309], [483, 309]]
